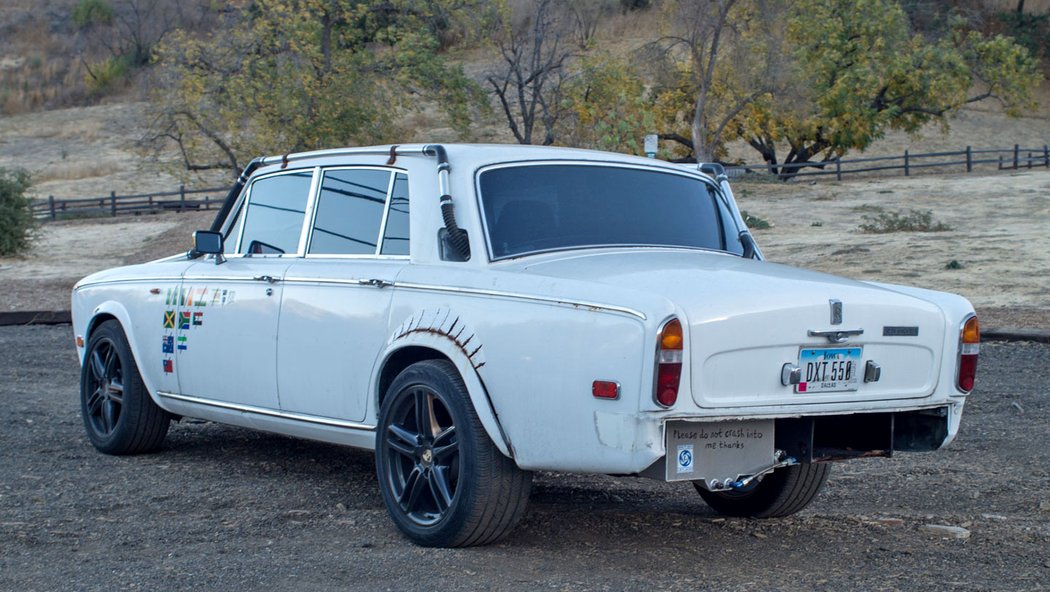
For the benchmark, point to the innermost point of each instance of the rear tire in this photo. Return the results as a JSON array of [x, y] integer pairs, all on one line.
[[444, 483], [780, 493], [119, 415]]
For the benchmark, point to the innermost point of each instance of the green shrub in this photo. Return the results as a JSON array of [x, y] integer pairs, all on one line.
[[92, 12], [109, 73], [901, 221], [754, 222], [16, 219]]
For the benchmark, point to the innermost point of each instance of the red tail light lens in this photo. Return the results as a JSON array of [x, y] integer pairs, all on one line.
[[669, 363], [969, 349]]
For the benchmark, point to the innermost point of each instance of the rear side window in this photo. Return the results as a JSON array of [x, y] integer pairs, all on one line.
[[361, 211], [349, 212], [395, 234], [274, 217]]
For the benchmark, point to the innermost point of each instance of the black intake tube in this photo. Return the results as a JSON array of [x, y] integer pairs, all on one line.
[[457, 237], [235, 191]]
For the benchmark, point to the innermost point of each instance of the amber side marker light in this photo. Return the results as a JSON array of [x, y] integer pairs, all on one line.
[[669, 363], [969, 350]]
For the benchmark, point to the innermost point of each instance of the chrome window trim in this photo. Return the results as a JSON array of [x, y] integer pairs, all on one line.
[[386, 213], [328, 421], [316, 256], [695, 175], [311, 200], [247, 204]]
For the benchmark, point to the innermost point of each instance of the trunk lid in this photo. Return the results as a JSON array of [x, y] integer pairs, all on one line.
[[747, 319]]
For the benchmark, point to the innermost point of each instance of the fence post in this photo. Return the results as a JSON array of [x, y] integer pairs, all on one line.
[[1017, 153], [969, 159], [1029, 160], [907, 169], [1046, 156], [51, 205], [113, 203], [838, 168], [182, 198]]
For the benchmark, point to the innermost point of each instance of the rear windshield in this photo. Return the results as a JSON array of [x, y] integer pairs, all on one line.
[[534, 208]]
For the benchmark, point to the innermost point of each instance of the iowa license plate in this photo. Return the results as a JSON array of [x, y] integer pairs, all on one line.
[[829, 370]]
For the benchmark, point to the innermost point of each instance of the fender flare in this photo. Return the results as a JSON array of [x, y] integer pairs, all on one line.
[[443, 334], [116, 310]]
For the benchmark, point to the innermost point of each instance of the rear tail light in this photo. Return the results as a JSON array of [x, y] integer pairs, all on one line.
[[668, 363], [969, 349]]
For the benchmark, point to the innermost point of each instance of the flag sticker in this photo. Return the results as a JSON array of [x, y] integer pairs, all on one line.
[[169, 319], [198, 319], [182, 342], [168, 346], [169, 366], [184, 320]]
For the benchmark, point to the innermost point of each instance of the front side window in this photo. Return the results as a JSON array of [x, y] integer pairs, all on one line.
[[534, 208], [274, 217]]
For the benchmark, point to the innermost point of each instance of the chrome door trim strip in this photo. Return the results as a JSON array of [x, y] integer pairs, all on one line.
[[529, 297], [137, 280], [473, 292], [327, 421]]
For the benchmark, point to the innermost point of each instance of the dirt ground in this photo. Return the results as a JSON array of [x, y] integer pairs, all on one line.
[[999, 240], [222, 508]]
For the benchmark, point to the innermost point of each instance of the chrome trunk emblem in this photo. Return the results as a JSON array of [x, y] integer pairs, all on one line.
[[836, 311]]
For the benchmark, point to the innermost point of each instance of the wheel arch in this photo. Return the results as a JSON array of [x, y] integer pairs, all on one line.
[[428, 346], [111, 310]]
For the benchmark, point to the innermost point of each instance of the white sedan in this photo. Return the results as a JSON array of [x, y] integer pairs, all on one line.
[[477, 313]]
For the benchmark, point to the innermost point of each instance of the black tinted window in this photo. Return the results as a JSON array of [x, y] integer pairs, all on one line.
[[276, 206], [548, 207], [349, 212], [395, 235]]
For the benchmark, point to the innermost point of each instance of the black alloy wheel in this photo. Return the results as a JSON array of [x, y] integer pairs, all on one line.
[[423, 449], [119, 415], [105, 385], [443, 481]]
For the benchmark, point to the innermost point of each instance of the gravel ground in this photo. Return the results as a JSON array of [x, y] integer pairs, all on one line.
[[222, 508]]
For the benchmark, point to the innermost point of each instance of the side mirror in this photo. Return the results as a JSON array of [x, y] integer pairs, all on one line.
[[207, 242]]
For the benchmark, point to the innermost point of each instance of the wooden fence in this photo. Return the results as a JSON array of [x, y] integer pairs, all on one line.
[[182, 200], [947, 162]]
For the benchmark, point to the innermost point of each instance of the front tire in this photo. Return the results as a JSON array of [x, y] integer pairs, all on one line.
[[781, 493], [444, 483], [119, 415]]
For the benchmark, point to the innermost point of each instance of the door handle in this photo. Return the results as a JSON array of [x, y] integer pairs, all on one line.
[[376, 283], [269, 279]]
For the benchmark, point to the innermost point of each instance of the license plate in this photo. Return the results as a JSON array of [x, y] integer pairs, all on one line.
[[829, 370]]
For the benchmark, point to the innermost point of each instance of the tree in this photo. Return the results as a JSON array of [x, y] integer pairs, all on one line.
[[534, 52], [120, 37], [720, 57], [606, 106], [860, 72], [16, 218], [291, 75]]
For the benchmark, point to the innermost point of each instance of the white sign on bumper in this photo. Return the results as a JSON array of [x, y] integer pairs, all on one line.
[[723, 451]]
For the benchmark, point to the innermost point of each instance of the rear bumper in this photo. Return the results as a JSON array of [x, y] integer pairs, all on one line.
[[635, 445]]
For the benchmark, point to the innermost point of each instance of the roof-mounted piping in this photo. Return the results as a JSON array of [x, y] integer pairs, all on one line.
[[457, 237], [235, 191]]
